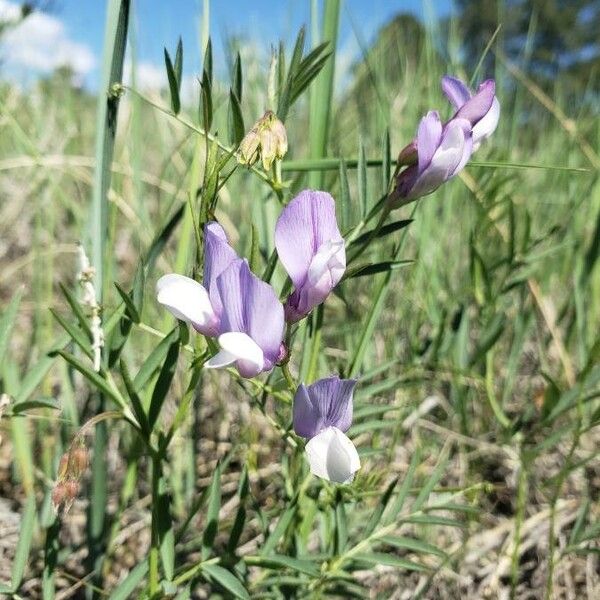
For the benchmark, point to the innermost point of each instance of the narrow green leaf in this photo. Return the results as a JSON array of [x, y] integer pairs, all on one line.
[[378, 512], [77, 309], [27, 405], [382, 232], [212, 514], [178, 66], [405, 487], [236, 120], [127, 587], [363, 201], [236, 85], [163, 383], [154, 360], [7, 322], [282, 524], [227, 580], [345, 201], [279, 561], [136, 403], [433, 480], [94, 378], [24, 543], [130, 307], [173, 85], [399, 541], [75, 333], [389, 560]]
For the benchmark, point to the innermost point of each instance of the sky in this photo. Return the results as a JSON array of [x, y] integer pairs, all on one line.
[[71, 32]]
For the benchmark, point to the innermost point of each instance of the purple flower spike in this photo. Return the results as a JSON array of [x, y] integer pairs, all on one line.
[[199, 305], [481, 109], [323, 412], [311, 249], [252, 322], [325, 403]]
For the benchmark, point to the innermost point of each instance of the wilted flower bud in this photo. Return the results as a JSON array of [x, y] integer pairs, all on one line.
[[79, 461], [266, 140], [71, 467]]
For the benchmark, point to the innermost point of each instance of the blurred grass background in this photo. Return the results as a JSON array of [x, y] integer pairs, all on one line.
[[486, 345]]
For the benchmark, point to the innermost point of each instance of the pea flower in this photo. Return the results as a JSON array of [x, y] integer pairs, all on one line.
[[251, 322], [197, 304], [322, 413], [440, 151], [460, 96], [233, 305], [311, 249], [266, 140]]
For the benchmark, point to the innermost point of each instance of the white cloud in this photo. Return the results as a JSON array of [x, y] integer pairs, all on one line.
[[40, 44], [150, 77]]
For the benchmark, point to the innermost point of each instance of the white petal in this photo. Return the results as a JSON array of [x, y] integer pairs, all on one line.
[[240, 348], [327, 265], [486, 126], [220, 360], [332, 456], [187, 300]]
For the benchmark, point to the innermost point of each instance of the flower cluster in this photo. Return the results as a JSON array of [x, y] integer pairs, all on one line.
[[441, 150], [244, 313], [245, 316]]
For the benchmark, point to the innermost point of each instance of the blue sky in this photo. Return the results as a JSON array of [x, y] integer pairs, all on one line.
[[73, 31]]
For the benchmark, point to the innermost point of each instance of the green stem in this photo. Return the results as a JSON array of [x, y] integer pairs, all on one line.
[[519, 516], [155, 547]]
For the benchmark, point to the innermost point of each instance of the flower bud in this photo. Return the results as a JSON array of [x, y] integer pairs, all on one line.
[[249, 147], [63, 466], [266, 140], [79, 461], [59, 495]]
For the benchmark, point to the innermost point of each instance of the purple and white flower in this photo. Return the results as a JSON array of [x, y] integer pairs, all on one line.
[[311, 249], [440, 151], [461, 97], [233, 305], [252, 322], [323, 413]]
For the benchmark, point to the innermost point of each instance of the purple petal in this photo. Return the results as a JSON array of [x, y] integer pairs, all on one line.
[[429, 136], [453, 152], [218, 255], [477, 107], [230, 289], [325, 403], [251, 306], [264, 315], [304, 224], [455, 90]]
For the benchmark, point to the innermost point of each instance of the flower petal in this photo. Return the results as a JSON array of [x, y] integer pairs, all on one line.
[[478, 106], [303, 226], [218, 255], [325, 403], [487, 125], [454, 151], [429, 136], [248, 354], [188, 301], [332, 456], [455, 90]]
